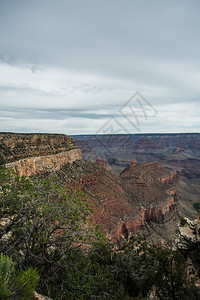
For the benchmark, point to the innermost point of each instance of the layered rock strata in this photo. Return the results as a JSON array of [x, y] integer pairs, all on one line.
[[126, 204], [35, 165], [31, 154]]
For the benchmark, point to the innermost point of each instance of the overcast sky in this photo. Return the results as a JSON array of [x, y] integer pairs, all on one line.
[[73, 66]]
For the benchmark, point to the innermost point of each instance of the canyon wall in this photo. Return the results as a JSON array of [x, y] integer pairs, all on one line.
[[35, 165], [31, 154], [153, 187], [142, 196], [180, 152], [131, 203]]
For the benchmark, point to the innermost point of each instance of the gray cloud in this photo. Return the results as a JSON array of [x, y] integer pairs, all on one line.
[[53, 114], [80, 60]]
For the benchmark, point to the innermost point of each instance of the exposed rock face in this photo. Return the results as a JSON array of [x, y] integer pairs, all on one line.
[[30, 154], [124, 230], [145, 143], [144, 183], [196, 143], [37, 296], [187, 241], [187, 235], [180, 152], [15, 146], [170, 178], [102, 162], [126, 204], [34, 165]]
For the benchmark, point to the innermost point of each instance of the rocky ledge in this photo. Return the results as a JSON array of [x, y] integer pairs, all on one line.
[[30, 154]]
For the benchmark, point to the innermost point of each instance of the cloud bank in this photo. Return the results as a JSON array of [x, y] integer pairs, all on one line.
[[68, 66]]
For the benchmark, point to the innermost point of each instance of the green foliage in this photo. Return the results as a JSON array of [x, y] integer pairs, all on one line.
[[15, 285], [170, 275], [136, 267], [6, 272], [197, 206], [182, 221], [2, 161], [48, 227], [27, 281], [44, 217], [81, 277], [45, 221]]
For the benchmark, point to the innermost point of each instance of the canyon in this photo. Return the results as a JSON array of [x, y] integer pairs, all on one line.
[[142, 198], [137, 201], [179, 152]]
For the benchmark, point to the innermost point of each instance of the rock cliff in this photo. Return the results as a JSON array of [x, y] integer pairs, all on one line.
[[150, 184], [30, 154], [126, 204], [188, 235], [187, 241]]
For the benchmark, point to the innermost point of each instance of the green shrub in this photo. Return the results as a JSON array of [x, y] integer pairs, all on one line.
[[2, 161], [197, 206], [15, 285], [182, 221]]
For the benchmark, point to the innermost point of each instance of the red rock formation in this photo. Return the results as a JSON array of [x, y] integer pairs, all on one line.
[[136, 197], [146, 143], [133, 163], [174, 177], [124, 230], [102, 162], [196, 143], [144, 183]]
